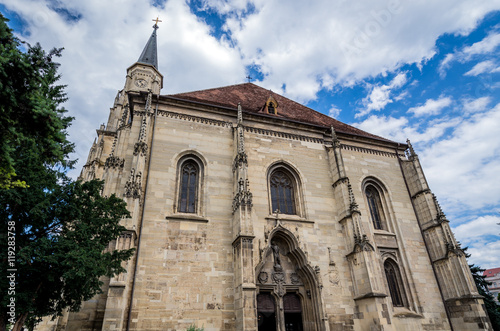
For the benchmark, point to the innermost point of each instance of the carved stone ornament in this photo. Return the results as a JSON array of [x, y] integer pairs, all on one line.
[[114, 162], [280, 290], [140, 147], [333, 276], [363, 243], [243, 197], [263, 277], [278, 277], [353, 206], [294, 278], [133, 185], [240, 160], [410, 152]]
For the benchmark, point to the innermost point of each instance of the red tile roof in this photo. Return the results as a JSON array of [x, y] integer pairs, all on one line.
[[253, 99], [491, 272]]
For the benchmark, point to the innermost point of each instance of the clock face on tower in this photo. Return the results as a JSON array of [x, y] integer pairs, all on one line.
[[141, 83]]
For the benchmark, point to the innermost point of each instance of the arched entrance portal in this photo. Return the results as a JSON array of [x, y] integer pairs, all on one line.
[[288, 290]]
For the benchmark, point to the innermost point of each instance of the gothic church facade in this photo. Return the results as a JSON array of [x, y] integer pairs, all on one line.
[[250, 211]]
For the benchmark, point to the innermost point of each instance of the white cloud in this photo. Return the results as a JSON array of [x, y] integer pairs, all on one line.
[[297, 42], [477, 228], [334, 111], [482, 67], [475, 105], [484, 252], [431, 106], [380, 95], [387, 127], [485, 46], [445, 64], [463, 167], [399, 129]]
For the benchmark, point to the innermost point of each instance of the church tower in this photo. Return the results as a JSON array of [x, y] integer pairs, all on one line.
[[143, 76], [250, 211], [119, 156]]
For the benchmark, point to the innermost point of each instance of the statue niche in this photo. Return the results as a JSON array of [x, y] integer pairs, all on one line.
[[288, 289]]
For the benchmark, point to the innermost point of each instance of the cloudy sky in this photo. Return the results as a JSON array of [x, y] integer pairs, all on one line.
[[424, 70]]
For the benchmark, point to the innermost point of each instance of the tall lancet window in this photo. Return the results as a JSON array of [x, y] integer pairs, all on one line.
[[394, 283], [375, 205], [282, 192], [188, 190]]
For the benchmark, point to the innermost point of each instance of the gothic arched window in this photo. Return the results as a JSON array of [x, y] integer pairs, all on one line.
[[188, 187], [375, 206], [394, 283], [282, 192]]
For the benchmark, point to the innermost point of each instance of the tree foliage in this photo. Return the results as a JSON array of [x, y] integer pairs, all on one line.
[[61, 228], [29, 110]]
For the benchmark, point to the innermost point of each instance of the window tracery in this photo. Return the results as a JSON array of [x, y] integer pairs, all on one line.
[[282, 192], [394, 283], [376, 207], [189, 184]]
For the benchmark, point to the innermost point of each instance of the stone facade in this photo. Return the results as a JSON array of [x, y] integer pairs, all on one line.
[[364, 245]]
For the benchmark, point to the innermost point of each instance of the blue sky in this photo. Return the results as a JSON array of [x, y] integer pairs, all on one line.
[[427, 70]]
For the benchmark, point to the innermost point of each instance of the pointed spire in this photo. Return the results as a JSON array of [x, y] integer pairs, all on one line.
[[150, 54]]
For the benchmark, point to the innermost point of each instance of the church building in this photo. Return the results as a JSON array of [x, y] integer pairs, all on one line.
[[250, 211]]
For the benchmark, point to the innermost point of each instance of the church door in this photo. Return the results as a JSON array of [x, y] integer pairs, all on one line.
[[293, 312], [266, 312]]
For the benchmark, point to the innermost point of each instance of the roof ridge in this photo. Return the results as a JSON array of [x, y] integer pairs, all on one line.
[[213, 88], [250, 95]]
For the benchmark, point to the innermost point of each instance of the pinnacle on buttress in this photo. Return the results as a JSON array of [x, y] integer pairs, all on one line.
[[410, 148], [353, 206], [335, 139], [440, 215]]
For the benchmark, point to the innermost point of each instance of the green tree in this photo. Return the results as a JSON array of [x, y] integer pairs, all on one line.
[[55, 231], [29, 110]]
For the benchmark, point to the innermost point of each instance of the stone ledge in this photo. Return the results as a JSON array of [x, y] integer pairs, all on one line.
[[187, 218], [371, 295], [402, 312], [117, 284], [292, 218]]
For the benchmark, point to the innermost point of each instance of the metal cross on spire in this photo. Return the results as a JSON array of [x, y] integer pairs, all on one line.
[[156, 20]]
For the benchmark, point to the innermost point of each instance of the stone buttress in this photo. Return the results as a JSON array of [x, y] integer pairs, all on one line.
[[460, 295], [368, 290], [243, 233]]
